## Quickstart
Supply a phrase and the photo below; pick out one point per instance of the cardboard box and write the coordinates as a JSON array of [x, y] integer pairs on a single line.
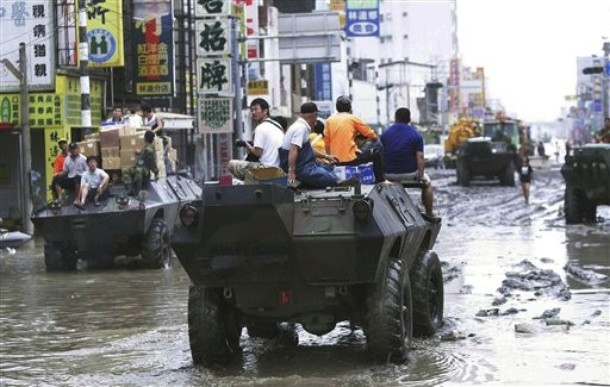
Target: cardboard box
[[90, 148], [128, 157], [92, 136], [132, 142], [270, 175], [173, 155], [158, 143], [367, 175], [127, 130], [161, 168], [109, 163], [109, 137], [110, 152]]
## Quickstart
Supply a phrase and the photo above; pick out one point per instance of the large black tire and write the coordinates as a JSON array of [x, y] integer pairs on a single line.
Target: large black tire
[[266, 330], [389, 320], [58, 258], [508, 176], [428, 294], [214, 328], [156, 251], [577, 207]]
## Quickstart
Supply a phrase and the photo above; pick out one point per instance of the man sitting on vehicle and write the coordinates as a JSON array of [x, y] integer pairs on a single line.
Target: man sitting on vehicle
[[298, 159], [74, 166], [58, 164], [93, 183], [134, 176], [404, 156]]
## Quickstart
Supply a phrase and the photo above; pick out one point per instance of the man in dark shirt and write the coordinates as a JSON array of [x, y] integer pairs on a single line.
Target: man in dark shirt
[[404, 156]]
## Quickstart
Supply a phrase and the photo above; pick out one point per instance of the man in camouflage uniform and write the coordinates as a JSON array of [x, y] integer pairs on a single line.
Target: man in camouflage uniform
[[145, 163]]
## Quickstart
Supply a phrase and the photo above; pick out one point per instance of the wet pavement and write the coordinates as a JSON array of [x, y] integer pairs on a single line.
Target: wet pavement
[[527, 302]]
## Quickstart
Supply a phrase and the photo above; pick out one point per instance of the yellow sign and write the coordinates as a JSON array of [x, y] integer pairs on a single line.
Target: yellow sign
[[258, 87], [105, 33]]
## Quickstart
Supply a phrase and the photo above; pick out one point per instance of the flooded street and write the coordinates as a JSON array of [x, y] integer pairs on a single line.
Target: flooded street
[[512, 272]]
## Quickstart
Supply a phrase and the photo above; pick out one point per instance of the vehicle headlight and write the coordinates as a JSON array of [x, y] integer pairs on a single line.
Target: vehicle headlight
[[363, 209]]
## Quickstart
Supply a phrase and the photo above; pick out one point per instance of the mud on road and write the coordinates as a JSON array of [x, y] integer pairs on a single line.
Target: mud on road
[[527, 303]]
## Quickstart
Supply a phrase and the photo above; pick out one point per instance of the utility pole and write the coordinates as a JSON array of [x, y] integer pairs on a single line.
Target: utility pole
[[26, 145], [83, 55]]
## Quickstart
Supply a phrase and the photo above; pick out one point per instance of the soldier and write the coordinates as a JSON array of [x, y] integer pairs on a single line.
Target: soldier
[[146, 162]]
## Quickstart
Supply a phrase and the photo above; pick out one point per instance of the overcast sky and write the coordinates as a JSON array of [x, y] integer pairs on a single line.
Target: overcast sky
[[529, 48]]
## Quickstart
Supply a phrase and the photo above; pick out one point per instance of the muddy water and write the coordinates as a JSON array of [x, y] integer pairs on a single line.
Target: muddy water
[[127, 327]]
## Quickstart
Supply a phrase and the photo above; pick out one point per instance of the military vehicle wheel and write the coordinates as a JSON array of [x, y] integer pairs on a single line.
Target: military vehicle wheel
[[266, 330], [464, 176], [58, 258], [214, 328], [428, 295], [577, 207], [508, 176], [156, 251], [389, 320]]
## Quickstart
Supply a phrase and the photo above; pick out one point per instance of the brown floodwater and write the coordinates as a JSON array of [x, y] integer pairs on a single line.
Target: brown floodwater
[[128, 327]]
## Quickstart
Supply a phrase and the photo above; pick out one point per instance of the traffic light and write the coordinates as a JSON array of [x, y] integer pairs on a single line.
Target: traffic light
[[593, 70]]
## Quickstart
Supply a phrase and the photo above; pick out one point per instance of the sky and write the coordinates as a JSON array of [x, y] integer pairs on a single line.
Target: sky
[[529, 49]]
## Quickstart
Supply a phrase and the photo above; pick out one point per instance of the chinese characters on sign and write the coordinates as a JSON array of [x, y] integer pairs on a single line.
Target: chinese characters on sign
[[214, 76], [29, 22], [154, 47], [105, 33], [323, 81], [362, 18], [46, 109], [215, 115], [212, 7], [213, 37]]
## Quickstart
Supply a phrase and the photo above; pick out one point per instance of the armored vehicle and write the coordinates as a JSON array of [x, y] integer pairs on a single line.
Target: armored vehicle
[[122, 225], [587, 176], [482, 157], [261, 256]]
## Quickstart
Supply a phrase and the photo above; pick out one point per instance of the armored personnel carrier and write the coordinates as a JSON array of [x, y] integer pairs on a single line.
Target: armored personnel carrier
[[482, 157], [122, 225], [262, 255], [587, 176]]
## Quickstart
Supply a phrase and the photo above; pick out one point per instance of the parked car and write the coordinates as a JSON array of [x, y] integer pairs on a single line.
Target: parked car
[[433, 155]]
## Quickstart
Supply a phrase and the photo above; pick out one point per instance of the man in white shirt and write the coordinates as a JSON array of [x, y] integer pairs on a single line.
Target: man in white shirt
[[298, 159], [74, 166], [93, 183], [268, 137]]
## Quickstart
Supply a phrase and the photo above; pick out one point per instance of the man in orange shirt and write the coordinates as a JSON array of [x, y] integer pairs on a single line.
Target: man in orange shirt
[[340, 135], [58, 164]]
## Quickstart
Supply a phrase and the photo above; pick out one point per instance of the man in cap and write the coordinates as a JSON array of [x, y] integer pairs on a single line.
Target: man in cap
[[340, 135], [69, 178], [268, 137], [58, 164], [298, 159]]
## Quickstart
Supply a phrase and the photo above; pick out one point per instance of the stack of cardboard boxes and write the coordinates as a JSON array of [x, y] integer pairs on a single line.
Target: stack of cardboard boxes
[[117, 146]]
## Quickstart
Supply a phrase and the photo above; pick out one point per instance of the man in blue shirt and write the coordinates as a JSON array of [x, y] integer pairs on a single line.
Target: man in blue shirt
[[404, 156]]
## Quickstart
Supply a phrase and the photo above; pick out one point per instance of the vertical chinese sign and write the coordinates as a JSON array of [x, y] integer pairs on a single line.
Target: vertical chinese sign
[[154, 47], [105, 33], [215, 78], [454, 85], [362, 18], [30, 22]]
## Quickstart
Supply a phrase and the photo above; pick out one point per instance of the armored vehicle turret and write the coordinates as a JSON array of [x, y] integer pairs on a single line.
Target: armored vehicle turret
[[262, 255], [121, 225], [587, 176]]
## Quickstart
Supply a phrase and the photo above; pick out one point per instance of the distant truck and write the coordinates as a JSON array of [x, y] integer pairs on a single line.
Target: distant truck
[[482, 157], [587, 176]]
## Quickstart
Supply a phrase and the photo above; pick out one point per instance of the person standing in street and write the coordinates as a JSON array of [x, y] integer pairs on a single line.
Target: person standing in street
[[404, 156], [268, 138], [298, 159], [525, 177]]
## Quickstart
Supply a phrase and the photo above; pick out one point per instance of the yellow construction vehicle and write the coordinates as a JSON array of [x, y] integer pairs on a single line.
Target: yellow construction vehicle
[[459, 132]]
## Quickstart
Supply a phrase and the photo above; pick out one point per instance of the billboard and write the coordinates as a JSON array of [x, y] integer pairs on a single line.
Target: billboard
[[105, 33], [153, 45], [30, 22], [362, 18]]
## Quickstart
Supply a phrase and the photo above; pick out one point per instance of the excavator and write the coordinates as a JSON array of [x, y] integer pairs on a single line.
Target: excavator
[[459, 132]]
